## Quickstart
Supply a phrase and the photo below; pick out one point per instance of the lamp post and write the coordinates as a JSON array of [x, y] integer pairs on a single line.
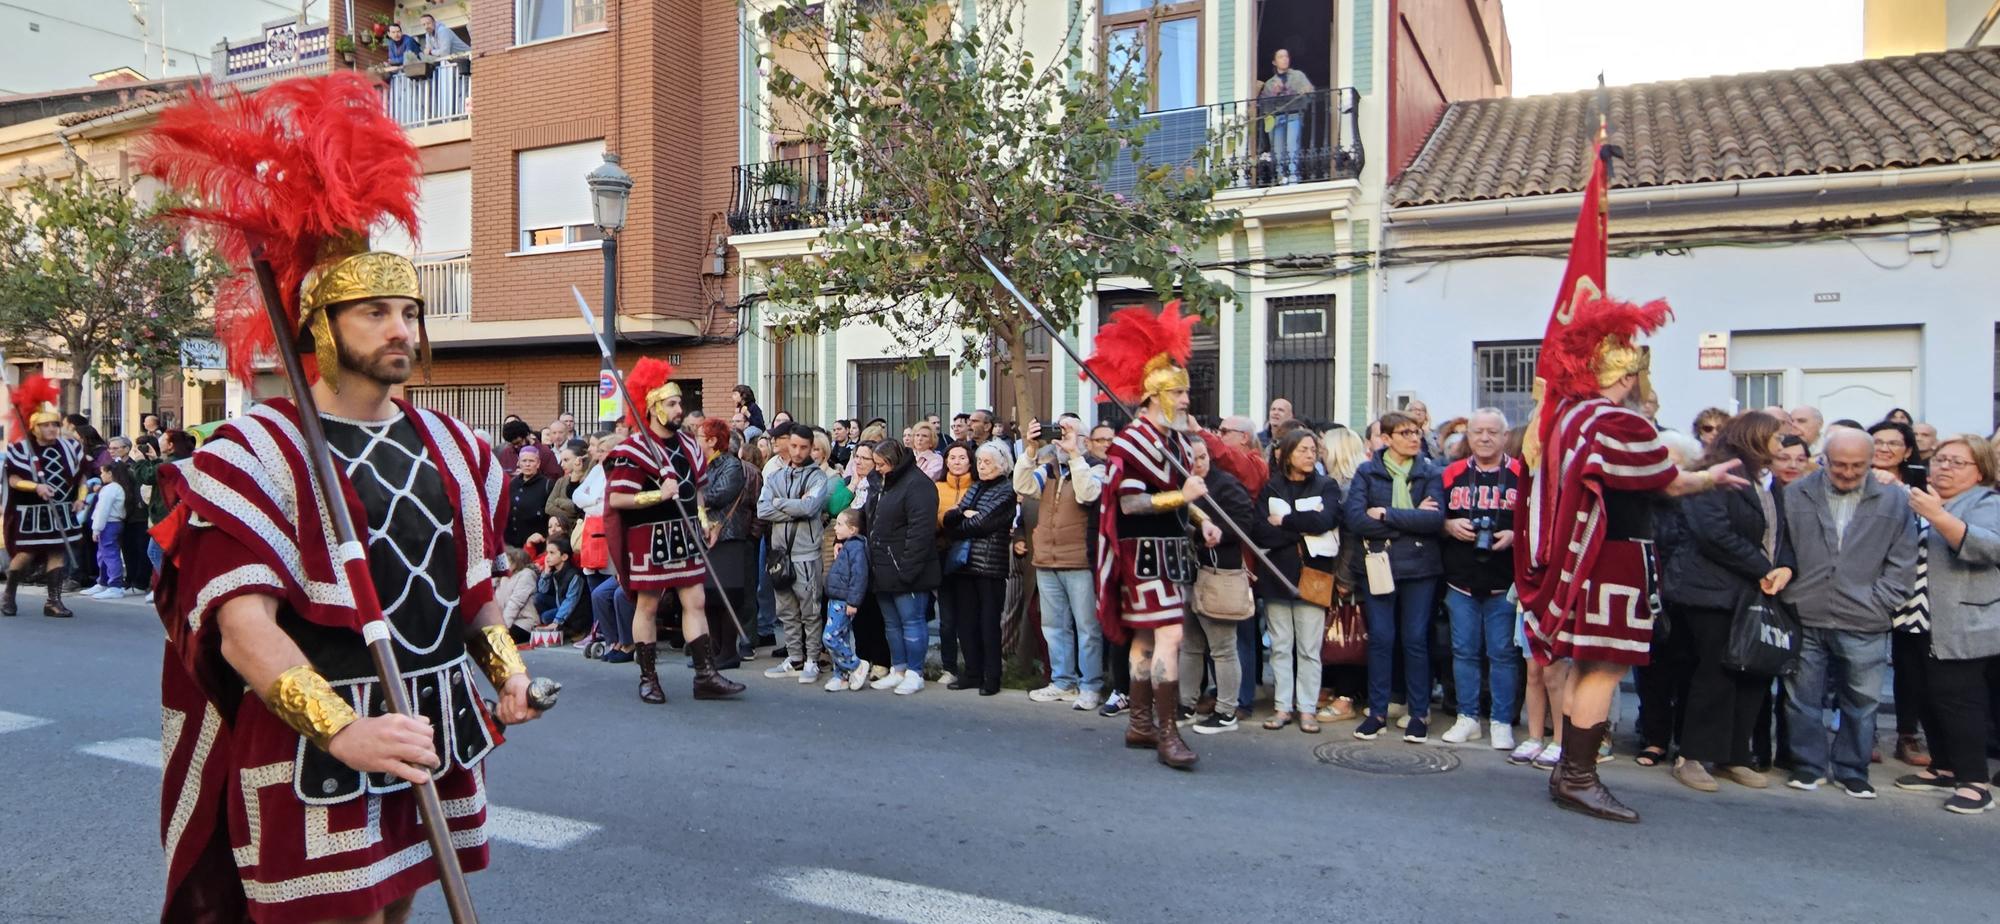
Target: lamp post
[[610, 191]]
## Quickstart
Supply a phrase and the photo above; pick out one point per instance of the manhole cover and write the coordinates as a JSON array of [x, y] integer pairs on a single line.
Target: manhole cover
[[1391, 759]]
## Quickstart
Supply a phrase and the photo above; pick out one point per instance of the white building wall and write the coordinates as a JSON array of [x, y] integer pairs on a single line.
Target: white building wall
[[1431, 316]]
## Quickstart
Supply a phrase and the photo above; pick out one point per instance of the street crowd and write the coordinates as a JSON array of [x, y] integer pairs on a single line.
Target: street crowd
[[841, 548]]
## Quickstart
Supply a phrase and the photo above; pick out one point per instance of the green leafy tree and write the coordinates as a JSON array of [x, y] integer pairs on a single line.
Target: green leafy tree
[[91, 275], [948, 140]]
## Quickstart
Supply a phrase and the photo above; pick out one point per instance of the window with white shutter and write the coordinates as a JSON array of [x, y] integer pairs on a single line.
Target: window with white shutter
[[554, 201], [444, 219]]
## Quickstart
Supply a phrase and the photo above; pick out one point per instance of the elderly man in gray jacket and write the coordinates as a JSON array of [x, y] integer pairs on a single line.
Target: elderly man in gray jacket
[[1856, 544]]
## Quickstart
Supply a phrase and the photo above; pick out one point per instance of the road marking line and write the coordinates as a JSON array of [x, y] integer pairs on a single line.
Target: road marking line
[[890, 900], [534, 829], [14, 721], [142, 751]]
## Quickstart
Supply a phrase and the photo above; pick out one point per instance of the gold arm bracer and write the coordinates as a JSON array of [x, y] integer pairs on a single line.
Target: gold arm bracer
[[649, 498], [494, 649], [25, 484], [1169, 500], [307, 703]]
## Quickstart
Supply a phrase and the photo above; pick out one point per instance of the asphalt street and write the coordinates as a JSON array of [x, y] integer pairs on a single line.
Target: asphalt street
[[794, 804]]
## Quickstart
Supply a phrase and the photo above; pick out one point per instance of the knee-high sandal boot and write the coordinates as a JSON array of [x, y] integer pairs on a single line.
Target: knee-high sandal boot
[[54, 608], [1141, 733], [708, 682], [648, 656], [7, 607], [1574, 785], [1172, 749]]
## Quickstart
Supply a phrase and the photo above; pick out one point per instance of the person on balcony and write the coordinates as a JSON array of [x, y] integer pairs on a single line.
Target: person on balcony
[[400, 45], [440, 42], [1283, 104]]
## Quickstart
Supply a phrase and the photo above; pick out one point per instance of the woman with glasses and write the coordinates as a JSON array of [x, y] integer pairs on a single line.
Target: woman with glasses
[[1708, 423], [1396, 507], [1895, 459], [1959, 567]]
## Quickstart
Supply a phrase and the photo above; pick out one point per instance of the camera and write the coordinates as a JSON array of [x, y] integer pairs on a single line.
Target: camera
[[1483, 528]]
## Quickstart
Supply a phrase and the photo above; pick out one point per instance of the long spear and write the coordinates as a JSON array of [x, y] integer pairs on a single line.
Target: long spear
[[374, 630], [646, 427], [1242, 537]]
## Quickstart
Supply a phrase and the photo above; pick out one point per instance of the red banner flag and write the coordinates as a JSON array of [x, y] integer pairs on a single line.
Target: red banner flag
[[1583, 279]]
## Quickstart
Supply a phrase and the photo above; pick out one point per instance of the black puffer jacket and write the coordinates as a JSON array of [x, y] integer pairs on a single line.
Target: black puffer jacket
[[1286, 552], [902, 531], [993, 500], [1724, 553]]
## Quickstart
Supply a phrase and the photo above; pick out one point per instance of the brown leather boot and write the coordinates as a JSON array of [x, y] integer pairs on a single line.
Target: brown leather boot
[[1140, 733], [7, 607], [708, 683], [1575, 785], [54, 607], [1173, 751], [648, 656]]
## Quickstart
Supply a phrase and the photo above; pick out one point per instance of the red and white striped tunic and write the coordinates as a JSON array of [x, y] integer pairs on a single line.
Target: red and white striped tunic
[[656, 548]]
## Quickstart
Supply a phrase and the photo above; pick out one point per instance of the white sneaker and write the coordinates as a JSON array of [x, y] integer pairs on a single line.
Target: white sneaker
[[1463, 730], [1087, 701], [837, 685], [945, 678], [1051, 694], [91, 591], [1503, 736], [858, 677], [106, 593], [783, 668], [889, 681], [149, 596], [912, 682], [1402, 721], [811, 673], [134, 592]]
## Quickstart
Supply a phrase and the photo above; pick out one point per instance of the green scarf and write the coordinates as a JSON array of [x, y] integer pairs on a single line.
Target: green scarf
[[1399, 481]]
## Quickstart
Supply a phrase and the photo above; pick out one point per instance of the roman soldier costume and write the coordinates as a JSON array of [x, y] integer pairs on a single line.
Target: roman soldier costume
[[1586, 576], [257, 818], [656, 545], [39, 524], [1145, 566]]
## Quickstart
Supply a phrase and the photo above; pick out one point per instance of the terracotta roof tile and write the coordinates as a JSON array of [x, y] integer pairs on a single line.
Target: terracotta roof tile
[[1911, 111]]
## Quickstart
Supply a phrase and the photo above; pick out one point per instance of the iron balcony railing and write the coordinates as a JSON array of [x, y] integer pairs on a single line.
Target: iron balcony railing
[[446, 284], [1267, 142], [439, 96]]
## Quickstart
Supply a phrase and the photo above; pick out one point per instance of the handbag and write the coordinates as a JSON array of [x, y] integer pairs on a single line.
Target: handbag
[[957, 555], [1381, 575], [593, 552], [1223, 594], [778, 568], [1346, 639], [1315, 586], [1763, 637]]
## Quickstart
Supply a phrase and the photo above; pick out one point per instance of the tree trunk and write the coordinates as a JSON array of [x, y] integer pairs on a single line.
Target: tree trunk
[[1017, 369], [72, 388]]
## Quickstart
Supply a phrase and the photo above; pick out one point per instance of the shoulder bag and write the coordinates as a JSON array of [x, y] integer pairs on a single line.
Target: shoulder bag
[[1223, 594], [1346, 639]]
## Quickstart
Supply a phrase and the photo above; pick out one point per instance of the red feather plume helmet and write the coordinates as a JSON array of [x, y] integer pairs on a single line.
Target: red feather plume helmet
[[1599, 346], [649, 382], [294, 175], [34, 403], [1140, 354]]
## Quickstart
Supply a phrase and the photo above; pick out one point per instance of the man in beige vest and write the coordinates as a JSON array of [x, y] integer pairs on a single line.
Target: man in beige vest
[[1068, 482]]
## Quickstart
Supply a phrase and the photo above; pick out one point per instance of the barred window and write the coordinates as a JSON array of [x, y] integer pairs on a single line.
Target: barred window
[[1504, 376], [793, 386], [884, 388], [579, 400], [1759, 389], [1299, 360], [482, 407]]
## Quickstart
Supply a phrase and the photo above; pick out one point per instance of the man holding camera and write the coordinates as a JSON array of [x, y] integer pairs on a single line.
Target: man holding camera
[[1478, 570]]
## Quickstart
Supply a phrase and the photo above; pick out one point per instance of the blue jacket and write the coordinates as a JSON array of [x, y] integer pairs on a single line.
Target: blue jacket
[[1412, 535], [847, 580], [557, 595], [397, 48]]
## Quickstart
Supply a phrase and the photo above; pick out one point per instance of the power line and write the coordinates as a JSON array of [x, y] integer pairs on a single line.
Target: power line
[[98, 29]]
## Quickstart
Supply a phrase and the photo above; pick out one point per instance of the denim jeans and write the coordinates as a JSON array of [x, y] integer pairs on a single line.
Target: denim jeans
[[838, 637], [1863, 657], [1285, 144], [1482, 635], [767, 601], [1297, 629], [903, 624], [1069, 626], [613, 611], [1405, 612]]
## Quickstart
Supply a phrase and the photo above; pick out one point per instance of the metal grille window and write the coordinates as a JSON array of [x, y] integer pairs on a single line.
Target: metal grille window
[[482, 407], [794, 382], [1204, 363], [884, 388], [1299, 358], [1759, 389], [1504, 377], [113, 404], [579, 400]]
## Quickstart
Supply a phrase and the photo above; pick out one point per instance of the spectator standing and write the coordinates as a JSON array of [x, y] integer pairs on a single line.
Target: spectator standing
[[116, 501], [1961, 578], [842, 443], [1895, 455], [1344, 685], [729, 501], [794, 504], [746, 403], [923, 443], [1396, 508], [1855, 544], [1420, 412], [1738, 545], [527, 494], [1810, 424], [572, 465], [1927, 440], [1303, 509], [1283, 99], [1280, 411], [979, 427], [1793, 462], [958, 481], [903, 562], [1480, 491], [976, 591], [1207, 637], [1068, 480], [961, 427], [1663, 682], [846, 586], [513, 435], [1708, 424]]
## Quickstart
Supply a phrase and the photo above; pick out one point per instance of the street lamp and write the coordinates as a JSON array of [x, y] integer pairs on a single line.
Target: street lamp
[[610, 190]]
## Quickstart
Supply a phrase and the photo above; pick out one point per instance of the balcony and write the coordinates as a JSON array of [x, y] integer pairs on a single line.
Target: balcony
[[446, 284], [1265, 143], [287, 48], [437, 97]]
